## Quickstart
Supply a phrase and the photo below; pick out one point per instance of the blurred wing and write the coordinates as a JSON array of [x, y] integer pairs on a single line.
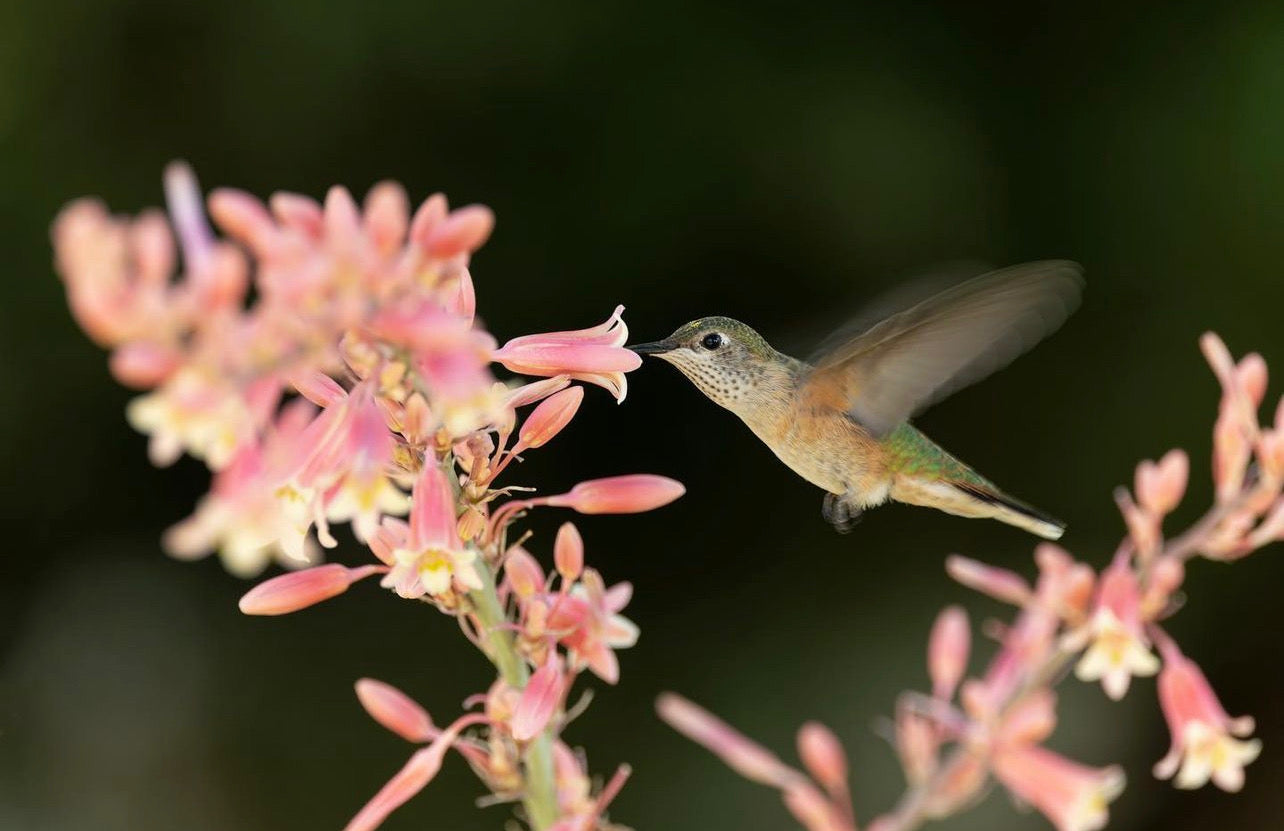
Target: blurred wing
[[909, 361], [911, 290]]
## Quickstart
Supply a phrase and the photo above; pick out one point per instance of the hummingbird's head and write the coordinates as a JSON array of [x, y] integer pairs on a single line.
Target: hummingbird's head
[[727, 360]]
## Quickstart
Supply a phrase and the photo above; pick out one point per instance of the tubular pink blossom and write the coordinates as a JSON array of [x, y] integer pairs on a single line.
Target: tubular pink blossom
[[631, 494], [596, 355], [948, 649], [1206, 742], [568, 552], [823, 756], [432, 557], [1072, 796], [998, 583], [395, 710], [536, 390], [538, 702], [300, 589], [737, 751], [549, 418], [1160, 485]]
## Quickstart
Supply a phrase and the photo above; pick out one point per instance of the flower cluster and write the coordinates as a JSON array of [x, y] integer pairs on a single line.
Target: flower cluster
[[325, 362], [1109, 626]]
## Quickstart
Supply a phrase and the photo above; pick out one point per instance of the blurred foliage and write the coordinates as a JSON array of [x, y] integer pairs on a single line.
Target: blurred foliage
[[768, 161]]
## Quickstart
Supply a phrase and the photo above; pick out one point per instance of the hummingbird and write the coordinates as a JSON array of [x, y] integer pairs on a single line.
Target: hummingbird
[[841, 420]]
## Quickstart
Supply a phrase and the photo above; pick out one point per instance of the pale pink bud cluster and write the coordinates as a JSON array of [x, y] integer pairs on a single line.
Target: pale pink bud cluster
[[325, 360], [1107, 625]]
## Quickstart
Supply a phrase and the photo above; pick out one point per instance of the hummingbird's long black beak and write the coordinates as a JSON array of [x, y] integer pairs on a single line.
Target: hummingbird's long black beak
[[658, 347]]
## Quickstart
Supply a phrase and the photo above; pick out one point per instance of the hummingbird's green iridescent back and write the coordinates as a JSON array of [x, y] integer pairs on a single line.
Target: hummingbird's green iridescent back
[[911, 453]]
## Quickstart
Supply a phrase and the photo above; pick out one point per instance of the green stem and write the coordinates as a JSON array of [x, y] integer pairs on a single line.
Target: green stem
[[540, 797]]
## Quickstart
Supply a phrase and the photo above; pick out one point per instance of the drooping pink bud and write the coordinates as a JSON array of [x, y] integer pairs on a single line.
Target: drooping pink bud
[[1160, 486], [596, 355], [823, 756], [947, 652], [462, 232], [300, 589], [568, 552], [738, 752], [395, 710], [549, 418], [631, 494], [539, 701], [143, 365], [525, 577], [999, 583], [387, 216], [410, 780]]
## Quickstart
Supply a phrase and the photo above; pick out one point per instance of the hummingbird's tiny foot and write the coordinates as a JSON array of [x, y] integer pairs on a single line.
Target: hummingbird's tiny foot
[[840, 513]]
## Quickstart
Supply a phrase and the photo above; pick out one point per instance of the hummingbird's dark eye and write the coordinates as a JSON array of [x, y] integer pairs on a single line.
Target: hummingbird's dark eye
[[712, 341]]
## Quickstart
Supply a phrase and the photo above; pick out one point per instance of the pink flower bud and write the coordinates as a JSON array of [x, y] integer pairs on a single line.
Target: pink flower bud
[[813, 810], [298, 213], [1251, 376], [998, 583], [549, 418], [242, 217], [524, 575], [1143, 525], [387, 216], [143, 365], [1160, 486], [462, 232], [300, 589], [395, 710], [630, 494], [917, 744], [539, 701], [823, 756], [410, 780], [947, 652], [537, 390], [737, 751], [1031, 720], [568, 552]]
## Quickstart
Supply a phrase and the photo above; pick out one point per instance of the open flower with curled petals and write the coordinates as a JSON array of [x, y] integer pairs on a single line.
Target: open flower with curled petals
[[595, 355], [1117, 645], [591, 625], [1206, 742], [429, 558]]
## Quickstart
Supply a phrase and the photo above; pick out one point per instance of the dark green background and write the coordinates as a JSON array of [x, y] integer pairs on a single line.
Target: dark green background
[[775, 162]]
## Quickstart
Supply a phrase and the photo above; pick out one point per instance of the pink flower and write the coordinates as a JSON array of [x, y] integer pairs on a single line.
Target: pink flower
[[301, 589], [592, 624], [595, 356], [1206, 742], [1073, 797], [430, 558], [395, 710], [823, 756], [1118, 649], [998, 583]]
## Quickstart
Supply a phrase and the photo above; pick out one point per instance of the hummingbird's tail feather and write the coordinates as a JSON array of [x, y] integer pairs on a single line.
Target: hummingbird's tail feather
[[973, 499]]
